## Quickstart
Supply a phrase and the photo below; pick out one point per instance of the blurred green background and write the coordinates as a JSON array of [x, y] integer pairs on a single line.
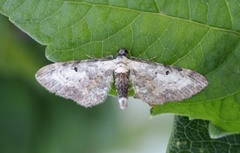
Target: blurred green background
[[33, 120]]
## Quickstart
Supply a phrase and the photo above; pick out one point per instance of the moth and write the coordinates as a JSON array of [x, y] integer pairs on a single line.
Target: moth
[[88, 81]]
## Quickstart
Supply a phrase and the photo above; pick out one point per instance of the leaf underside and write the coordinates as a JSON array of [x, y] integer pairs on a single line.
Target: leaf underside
[[192, 136]]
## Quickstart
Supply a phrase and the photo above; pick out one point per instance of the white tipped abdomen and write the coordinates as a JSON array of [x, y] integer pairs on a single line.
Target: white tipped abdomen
[[123, 102]]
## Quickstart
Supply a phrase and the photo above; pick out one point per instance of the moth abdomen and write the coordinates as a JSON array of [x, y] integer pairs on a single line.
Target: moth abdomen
[[122, 84]]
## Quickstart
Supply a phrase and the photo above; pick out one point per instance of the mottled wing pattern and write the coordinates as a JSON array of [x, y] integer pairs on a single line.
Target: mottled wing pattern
[[87, 82], [156, 83]]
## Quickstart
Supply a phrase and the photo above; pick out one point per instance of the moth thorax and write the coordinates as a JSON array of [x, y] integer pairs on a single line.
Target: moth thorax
[[122, 83], [121, 68]]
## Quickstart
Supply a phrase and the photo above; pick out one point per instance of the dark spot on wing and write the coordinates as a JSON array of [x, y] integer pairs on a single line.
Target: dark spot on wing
[[194, 74], [167, 72], [167, 66], [108, 73], [133, 72], [64, 64], [172, 67], [75, 68], [178, 68]]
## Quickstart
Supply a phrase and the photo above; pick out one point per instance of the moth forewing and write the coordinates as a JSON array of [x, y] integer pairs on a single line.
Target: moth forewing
[[87, 82], [156, 83]]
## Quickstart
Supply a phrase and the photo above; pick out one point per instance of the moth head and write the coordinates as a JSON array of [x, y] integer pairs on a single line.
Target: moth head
[[122, 52]]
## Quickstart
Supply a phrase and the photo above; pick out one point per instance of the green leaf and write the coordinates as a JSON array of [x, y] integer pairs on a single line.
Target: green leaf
[[192, 136], [216, 132], [200, 35]]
